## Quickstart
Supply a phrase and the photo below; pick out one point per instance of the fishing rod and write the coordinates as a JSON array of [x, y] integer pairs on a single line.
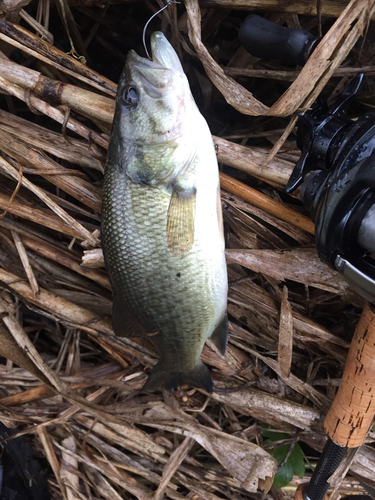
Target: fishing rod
[[336, 172]]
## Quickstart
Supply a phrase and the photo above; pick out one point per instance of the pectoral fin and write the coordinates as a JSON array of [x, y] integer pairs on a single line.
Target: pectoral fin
[[180, 220], [220, 335], [124, 323]]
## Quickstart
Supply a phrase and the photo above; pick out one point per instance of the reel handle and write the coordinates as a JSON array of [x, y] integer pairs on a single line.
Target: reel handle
[[269, 40]]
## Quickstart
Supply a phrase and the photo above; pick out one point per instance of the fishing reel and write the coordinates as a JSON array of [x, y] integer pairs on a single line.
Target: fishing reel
[[336, 169], [336, 172]]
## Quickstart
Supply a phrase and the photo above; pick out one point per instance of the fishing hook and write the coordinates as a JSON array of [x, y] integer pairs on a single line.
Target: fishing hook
[[148, 22]]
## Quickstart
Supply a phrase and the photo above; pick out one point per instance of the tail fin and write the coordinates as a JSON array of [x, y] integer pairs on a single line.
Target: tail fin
[[199, 377]]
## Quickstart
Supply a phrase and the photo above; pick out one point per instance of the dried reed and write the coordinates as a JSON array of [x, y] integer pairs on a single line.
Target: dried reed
[[73, 385]]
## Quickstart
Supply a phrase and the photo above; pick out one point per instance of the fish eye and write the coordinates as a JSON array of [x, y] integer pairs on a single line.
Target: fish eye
[[130, 95]]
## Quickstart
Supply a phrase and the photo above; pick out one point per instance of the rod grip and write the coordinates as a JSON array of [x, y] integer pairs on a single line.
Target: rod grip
[[353, 408]]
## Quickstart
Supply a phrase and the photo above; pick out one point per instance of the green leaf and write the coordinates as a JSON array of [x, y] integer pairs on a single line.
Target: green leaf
[[297, 460], [294, 465], [280, 452], [274, 436], [283, 476]]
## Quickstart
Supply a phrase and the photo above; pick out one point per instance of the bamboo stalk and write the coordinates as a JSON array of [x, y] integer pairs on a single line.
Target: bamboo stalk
[[76, 98], [58, 93], [300, 264], [21, 38], [54, 113], [11, 350], [250, 160], [25, 262], [177, 457], [61, 308], [285, 344], [78, 317], [290, 76], [279, 143], [44, 391], [73, 150], [260, 200], [24, 344], [38, 215], [30, 231], [43, 32], [77, 187], [294, 232], [65, 259], [68, 219], [329, 8], [91, 104], [93, 258], [52, 459], [247, 159]]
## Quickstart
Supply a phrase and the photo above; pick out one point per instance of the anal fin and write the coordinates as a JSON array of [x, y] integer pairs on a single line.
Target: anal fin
[[219, 336]]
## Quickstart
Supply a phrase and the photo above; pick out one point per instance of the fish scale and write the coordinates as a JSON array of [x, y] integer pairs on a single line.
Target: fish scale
[[156, 192], [143, 266]]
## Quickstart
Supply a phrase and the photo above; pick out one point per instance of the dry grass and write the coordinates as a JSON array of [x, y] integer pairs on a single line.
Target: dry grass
[[73, 385]]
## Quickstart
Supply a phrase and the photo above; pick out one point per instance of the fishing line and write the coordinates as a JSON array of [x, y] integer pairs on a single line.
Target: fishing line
[[148, 22]]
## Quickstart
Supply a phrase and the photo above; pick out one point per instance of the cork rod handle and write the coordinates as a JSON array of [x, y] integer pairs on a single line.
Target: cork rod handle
[[353, 408]]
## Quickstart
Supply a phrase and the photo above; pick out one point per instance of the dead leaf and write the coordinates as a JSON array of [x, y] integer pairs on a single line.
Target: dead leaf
[[299, 264], [245, 461], [285, 349]]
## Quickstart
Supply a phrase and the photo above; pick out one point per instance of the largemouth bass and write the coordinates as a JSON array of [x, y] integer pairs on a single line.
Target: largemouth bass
[[162, 230]]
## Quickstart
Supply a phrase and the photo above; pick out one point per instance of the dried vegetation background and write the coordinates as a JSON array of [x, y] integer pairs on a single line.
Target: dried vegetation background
[[65, 381]]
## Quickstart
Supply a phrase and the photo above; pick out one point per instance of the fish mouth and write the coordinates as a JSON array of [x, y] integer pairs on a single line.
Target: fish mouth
[[155, 73]]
